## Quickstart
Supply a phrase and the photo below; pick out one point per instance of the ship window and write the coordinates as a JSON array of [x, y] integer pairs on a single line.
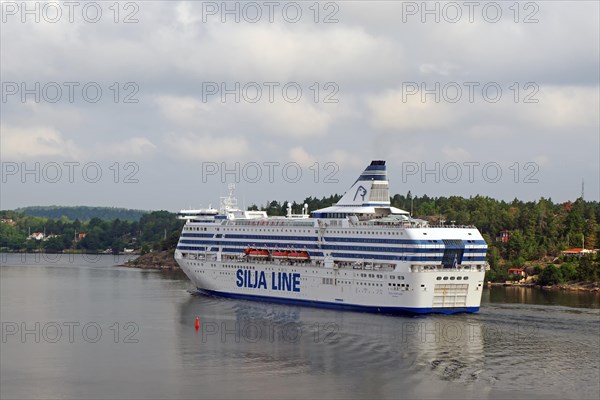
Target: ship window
[[452, 278], [439, 278], [466, 278], [458, 278]]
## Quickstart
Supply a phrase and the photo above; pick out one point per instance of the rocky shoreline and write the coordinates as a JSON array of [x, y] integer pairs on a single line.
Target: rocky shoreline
[[593, 287], [160, 260]]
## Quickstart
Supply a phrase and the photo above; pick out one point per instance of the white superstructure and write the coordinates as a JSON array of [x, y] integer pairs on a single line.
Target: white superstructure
[[360, 254]]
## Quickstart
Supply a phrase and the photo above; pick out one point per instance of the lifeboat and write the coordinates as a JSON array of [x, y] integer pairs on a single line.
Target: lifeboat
[[258, 253], [298, 255], [279, 254]]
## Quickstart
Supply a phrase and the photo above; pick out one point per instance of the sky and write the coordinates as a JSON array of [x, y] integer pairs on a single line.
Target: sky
[[162, 104]]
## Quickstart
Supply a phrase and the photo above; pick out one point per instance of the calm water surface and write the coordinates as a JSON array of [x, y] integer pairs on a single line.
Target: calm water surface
[[86, 328]]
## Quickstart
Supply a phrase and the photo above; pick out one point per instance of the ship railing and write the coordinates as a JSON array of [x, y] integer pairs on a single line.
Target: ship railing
[[407, 224], [450, 226]]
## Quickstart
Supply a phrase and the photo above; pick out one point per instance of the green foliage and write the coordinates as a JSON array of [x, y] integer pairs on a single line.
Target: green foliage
[[10, 237], [569, 271], [589, 268], [100, 235], [550, 275], [82, 213], [518, 262]]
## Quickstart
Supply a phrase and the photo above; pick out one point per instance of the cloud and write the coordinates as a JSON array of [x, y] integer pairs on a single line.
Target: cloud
[[456, 154], [301, 119], [394, 110], [280, 118], [19, 142], [339, 158], [171, 52], [563, 108], [299, 155], [204, 147], [136, 147], [535, 109]]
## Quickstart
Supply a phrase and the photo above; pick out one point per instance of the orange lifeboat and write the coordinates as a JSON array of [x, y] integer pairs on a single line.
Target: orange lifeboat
[[280, 254], [258, 253], [298, 255]]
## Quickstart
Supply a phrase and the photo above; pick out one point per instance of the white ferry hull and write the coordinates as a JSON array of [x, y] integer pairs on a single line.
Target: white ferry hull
[[417, 293]]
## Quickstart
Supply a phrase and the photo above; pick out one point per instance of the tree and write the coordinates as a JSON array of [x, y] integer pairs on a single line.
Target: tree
[[550, 275], [588, 269], [54, 244]]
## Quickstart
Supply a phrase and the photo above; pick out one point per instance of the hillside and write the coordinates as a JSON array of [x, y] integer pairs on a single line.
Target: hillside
[[83, 213]]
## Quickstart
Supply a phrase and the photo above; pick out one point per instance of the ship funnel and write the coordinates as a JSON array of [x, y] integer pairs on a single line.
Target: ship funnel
[[370, 189]]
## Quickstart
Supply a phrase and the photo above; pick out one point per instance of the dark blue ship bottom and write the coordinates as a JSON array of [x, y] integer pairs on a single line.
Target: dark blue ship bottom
[[342, 306]]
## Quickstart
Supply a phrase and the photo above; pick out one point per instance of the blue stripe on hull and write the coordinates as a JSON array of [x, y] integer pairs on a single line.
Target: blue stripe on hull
[[342, 306]]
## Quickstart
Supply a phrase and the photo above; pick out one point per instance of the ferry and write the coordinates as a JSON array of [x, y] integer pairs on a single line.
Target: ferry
[[359, 254]]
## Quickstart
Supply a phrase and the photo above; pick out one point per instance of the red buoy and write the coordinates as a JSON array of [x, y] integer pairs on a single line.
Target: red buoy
[[197, 323]]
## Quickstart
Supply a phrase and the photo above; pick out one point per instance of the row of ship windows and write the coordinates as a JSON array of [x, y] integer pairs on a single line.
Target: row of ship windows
[[399, 248], [309, 238], [458, 278], [369, 284], [309, 231], [366, 232], [400, 277], [329, 281], [196, 228]]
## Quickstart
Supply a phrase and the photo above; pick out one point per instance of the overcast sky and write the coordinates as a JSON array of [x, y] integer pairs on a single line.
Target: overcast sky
[[495, 99]]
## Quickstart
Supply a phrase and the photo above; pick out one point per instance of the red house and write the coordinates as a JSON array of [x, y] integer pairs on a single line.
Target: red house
[[517, 272]]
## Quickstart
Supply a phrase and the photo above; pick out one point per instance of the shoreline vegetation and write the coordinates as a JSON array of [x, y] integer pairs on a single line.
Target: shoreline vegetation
[[593, 287]]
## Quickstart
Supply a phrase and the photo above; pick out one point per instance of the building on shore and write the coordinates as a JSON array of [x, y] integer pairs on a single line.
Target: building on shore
[[578, 252]]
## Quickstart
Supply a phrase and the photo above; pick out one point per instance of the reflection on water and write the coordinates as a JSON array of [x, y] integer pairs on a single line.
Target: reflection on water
[[543, 345], [496, 353], [523, 295]]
